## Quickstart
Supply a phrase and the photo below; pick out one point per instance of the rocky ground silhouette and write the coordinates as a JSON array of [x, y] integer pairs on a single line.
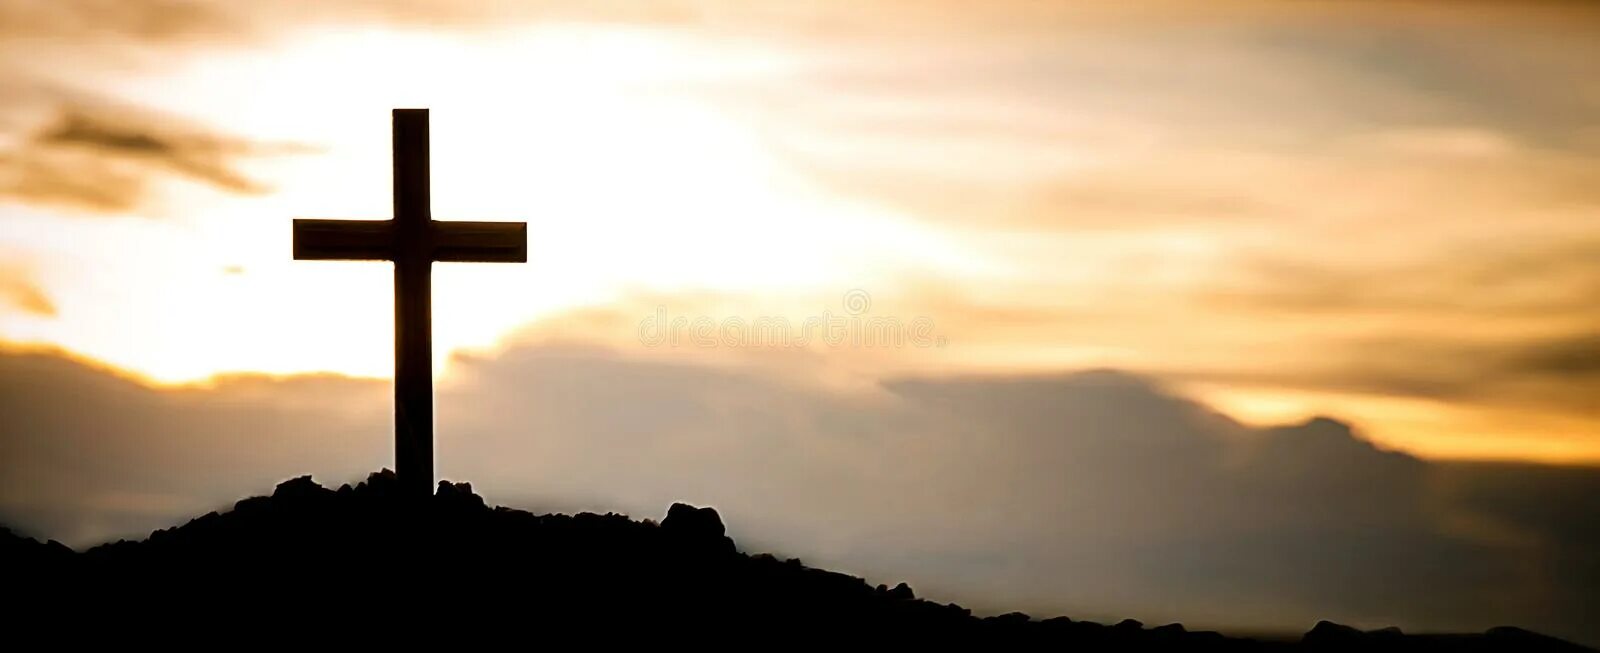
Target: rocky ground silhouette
[[310, 565]]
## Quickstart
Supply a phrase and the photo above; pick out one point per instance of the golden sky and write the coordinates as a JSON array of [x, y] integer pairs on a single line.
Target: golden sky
[[1138, 248], [1388, 213]]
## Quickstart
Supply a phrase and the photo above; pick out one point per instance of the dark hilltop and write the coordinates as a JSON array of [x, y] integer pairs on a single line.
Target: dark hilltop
[[310, 565]]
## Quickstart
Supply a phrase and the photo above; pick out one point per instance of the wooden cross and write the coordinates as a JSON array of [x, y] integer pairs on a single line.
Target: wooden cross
[[413, 240]]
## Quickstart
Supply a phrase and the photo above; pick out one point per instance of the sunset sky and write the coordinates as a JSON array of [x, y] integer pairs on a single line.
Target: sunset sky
[[1387, 214]]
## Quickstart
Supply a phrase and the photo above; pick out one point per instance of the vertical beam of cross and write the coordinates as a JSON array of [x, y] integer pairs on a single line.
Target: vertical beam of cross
[[413, 304], [413, 240]]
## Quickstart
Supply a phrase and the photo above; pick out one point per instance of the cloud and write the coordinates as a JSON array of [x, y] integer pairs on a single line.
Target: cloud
[[1575, 358], [1099, 494], [75, 150], [993, 85], [1516, 278], [1550, 376], [1504, 324], [151, 20], [65, 142], [20, 292], [186, 22], [198, 155], [1109, 199]]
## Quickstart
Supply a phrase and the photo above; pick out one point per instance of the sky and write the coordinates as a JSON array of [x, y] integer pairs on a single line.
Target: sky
[[1142, 309]]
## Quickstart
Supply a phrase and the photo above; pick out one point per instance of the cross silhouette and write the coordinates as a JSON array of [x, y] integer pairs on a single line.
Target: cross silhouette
[[413, 240]]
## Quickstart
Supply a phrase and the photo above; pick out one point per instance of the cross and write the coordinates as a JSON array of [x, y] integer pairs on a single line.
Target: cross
[[413, 240]]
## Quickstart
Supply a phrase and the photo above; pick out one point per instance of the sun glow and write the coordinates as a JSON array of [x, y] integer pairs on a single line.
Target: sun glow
[[628, 180]]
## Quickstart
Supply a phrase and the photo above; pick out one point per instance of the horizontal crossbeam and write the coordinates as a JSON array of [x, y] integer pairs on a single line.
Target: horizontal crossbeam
[[481, 242], [374, 240], [344, 240]]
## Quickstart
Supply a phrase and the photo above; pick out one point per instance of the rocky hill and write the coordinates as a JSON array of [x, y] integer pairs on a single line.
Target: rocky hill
[[311, 565]]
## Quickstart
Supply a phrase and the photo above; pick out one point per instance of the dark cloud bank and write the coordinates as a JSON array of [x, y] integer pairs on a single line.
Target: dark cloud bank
[[103, 160], [1095, 494]]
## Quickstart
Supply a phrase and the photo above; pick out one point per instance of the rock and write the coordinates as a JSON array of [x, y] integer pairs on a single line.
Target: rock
[[1329, 634], [296, 490], [15, 547], [1513, 638], [1010, 617], [902, 592], [252, 505], [458, 496], [379, 484], [1169, 630], [698, 526], [693, 521]]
